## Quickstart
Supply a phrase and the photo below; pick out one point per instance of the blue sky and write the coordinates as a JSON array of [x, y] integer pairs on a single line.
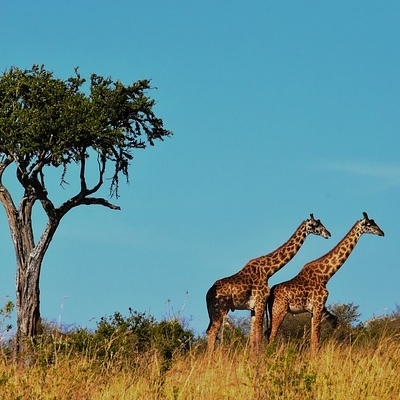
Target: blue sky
[[279, 110]]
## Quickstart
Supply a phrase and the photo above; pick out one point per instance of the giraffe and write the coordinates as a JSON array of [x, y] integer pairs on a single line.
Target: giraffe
[[248, 289], [307, 292]]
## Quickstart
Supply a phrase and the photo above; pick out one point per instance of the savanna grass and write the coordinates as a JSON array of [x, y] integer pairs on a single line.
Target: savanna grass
[[367, 370]]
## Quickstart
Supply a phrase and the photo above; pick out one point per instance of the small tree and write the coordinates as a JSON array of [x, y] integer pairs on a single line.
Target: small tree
[[51, 123]]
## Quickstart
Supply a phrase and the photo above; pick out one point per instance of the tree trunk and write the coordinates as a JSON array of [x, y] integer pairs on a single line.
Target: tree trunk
[[27, 304], [29, 263], [29, 258]]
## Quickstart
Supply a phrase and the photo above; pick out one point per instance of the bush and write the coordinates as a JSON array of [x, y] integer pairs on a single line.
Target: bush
[[235, 331], [385, 326], [118, 339]]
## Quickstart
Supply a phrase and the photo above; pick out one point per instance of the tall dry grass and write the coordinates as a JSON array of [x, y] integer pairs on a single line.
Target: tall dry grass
[[287, 372], [369, 370]]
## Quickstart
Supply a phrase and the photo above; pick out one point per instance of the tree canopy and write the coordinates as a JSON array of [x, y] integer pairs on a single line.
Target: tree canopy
[[51, 122]]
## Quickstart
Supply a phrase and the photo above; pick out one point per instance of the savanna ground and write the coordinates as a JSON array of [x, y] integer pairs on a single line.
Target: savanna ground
[[136, 357]]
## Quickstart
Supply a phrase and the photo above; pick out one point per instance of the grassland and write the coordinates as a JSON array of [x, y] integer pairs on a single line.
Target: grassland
[[368, 370]]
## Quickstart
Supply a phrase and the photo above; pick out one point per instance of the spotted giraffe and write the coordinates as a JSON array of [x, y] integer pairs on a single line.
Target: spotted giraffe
[[248, 289], [307, 292]]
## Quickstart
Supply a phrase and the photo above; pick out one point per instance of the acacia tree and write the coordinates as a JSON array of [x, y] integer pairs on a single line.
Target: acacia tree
[[50, 123]]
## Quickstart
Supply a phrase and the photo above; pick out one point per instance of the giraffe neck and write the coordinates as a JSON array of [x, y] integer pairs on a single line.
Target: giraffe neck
[[326, 266], [275, 260]]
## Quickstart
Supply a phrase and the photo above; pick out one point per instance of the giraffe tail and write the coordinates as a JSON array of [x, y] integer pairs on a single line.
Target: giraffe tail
[[268, 311], [210, 299]]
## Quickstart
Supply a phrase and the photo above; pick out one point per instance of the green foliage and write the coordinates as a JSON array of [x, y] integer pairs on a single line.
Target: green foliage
[[170, 337], [117, 339], [384, 326], [46, 121], [348, 322], [235, 331], [138, 334], [347, 314], [133, 333], [5, 316]]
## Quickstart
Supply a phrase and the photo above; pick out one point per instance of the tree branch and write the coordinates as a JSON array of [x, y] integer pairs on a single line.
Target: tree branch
[[82, 174], [73, 202], [99, 201], [102, 168], [5, 196]]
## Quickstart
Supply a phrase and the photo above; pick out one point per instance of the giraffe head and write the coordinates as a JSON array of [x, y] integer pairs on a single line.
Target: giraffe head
[[369, 226], [316, 227]]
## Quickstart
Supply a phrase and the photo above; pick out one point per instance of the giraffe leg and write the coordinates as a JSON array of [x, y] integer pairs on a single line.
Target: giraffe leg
[[315, 330], [252, 326], [277, 314], [217, 310], [258, 326], [212, 332], [256, 330]]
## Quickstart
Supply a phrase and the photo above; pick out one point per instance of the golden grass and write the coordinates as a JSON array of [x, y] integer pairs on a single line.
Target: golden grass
[[337, 372]]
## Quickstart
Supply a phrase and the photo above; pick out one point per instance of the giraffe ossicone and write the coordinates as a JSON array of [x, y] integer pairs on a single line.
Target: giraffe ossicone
[[248, 289], [307, 292]]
